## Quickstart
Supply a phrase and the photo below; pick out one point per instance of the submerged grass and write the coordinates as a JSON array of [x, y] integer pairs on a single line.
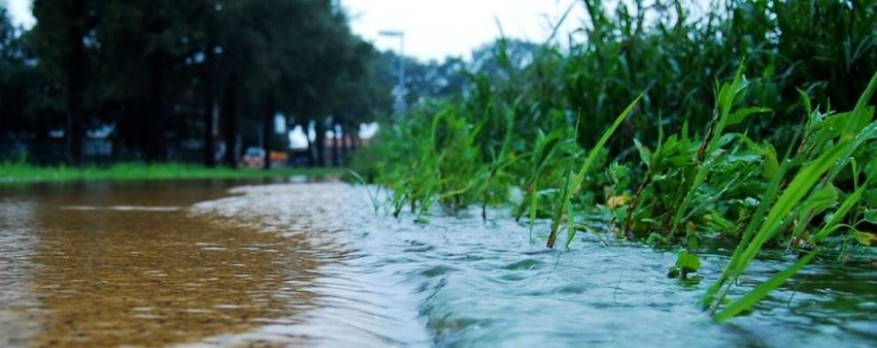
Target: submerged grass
[[815, 176], [12, 173], [694, 189], [686, 165], [576, 183]]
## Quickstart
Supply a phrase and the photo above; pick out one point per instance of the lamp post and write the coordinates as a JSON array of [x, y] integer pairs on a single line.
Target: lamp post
[[399, 91]]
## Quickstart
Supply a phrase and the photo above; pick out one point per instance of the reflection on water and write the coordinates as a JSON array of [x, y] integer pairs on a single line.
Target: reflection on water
[[310, 264], [114, 271], [356, 305], [20, 317]]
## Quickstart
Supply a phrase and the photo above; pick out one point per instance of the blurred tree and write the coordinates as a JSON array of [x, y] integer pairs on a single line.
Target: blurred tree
[[432, 79], [504, 55], [64, 36], [11, 64], [159, 72], [152, 46]]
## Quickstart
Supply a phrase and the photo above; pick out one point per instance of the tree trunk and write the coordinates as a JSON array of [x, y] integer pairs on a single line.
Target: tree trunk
[[268, 126], [355, 140], [345, 142], [76, 83], [350, 144], [156, 148], [230, 122], [209, 106], [320, 139], [336, 145], [306, 127]]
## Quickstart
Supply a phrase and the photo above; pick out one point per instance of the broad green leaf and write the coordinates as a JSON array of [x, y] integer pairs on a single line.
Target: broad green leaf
[[688, 262], [644, 152], [871, 216], [822, 198], [771, 164]]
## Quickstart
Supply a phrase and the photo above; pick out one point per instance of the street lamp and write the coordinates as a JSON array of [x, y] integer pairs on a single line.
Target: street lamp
[[399, 92]]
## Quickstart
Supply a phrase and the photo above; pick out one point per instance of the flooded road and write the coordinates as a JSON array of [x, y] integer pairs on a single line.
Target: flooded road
[[197, 264], [109, 266]]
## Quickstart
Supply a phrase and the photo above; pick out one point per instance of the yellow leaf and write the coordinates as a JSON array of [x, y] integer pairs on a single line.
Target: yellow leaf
[[866, 238], [617, 201]]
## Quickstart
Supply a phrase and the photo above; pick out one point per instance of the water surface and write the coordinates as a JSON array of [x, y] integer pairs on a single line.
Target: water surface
[[107, 265], [312, 264]]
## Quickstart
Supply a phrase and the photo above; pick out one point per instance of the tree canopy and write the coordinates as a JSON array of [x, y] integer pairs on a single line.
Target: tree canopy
[[162, 75]]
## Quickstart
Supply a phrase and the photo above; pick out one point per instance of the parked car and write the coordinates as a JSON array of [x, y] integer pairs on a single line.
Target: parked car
[[254, 157], [279, 159]]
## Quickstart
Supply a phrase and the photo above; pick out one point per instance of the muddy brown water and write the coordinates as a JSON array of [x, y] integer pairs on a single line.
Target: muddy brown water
[[229, 264], [109, 265]]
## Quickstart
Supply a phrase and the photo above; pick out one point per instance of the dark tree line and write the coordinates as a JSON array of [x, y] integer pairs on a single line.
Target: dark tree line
[[162, 71]]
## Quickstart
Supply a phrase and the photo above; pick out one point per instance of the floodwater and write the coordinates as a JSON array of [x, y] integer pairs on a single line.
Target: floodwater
[[199, 263]]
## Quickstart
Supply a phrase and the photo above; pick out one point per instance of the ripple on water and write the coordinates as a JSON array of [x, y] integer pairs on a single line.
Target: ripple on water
[[362, 299], [20, 314], [436, 271], [525, 264], [372, 280], [111, 267], [479, 284]]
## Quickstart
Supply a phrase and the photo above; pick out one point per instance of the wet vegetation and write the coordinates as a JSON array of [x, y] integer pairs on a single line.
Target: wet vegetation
[[747, 128], [720, 136]]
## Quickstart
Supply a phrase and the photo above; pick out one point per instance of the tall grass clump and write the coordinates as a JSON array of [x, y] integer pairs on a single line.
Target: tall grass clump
[[660, 126], [830, 148]]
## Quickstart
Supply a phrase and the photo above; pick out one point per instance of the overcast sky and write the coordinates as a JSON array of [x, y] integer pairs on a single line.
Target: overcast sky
[[20, 12], [438, 28], [433, 29]]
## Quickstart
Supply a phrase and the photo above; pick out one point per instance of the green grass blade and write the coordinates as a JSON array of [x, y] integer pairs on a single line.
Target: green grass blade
[[763, 289], [803, 182], [725, 101], [580, 177]]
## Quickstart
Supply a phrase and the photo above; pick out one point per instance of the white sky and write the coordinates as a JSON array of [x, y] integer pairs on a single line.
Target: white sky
[[20, 11], [433, 29]]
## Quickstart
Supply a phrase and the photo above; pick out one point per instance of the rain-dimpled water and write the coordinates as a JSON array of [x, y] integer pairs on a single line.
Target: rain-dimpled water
[[217, 263]]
